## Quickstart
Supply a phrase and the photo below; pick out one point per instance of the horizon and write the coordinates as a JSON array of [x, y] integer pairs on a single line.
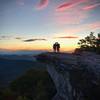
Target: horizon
[[24, 51], [37, 24]]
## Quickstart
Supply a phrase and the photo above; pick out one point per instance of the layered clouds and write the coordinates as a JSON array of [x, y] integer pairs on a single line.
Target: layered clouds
[[31, 40], [68, 37], [70, 12], [69, 4], [42, 4], [47, 21], [92, 6]]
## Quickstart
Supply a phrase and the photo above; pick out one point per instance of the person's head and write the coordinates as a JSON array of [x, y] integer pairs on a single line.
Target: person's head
[[56, 42]]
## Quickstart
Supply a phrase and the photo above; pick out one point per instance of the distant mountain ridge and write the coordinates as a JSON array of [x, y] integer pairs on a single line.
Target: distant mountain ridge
[[20, 52], [13, 66], [18, 57]]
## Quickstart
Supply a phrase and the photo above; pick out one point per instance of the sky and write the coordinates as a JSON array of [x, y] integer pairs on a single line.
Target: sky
[[37, 24]]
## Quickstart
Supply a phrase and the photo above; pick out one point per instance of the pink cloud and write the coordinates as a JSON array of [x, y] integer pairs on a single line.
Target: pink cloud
[[86, 27], [77, 12], [68, 37], [74, 16], [71, 4], [95, 25], [71, 32], [64, 6], [91, 6], [42, 4]]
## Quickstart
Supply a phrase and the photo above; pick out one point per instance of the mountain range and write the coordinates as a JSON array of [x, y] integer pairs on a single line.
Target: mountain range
[[13, 66]]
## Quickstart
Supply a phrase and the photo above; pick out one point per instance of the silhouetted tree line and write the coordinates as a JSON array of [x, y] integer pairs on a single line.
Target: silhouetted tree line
[[90, 43]]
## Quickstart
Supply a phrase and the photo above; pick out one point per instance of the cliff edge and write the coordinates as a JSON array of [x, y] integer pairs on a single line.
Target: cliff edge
[[76, 76]]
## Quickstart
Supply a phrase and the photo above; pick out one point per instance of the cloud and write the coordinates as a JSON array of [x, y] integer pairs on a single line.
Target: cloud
[[67, 37], [31, 40], [5, 37], [64, 6], [67, 5], [80, 30], [85, 27], [42, 4], [95, 25], [74, 16], [18, 38], [89, 7]]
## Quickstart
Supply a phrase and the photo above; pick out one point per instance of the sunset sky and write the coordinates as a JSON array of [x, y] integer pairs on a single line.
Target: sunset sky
[[37, 24]]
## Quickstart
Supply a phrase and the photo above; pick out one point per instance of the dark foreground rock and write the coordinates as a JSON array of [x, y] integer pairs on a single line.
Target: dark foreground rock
[[76, 77]]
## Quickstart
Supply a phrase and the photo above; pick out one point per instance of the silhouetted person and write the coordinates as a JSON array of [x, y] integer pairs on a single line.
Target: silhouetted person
[[56, 47]]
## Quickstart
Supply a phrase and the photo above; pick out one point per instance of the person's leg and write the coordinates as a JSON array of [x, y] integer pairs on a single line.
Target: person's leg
[[57, 49], [54, 49]]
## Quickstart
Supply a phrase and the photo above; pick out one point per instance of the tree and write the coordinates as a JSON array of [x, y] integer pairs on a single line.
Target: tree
[[90, 43]]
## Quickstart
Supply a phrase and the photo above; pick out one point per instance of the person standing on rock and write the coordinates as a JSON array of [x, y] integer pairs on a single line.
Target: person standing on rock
[[56, 47]]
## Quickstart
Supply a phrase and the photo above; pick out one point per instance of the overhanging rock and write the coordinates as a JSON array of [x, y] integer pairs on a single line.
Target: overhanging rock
[[76, 77]]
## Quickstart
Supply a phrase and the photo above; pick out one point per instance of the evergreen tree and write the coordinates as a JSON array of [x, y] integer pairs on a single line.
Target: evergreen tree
[[90, 43]]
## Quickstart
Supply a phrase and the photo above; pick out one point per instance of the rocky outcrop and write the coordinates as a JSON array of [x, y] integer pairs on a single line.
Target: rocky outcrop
[[76, 77]]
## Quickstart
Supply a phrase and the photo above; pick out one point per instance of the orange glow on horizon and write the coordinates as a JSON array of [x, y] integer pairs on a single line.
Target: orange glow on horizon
[[62, 49], [67, 45]]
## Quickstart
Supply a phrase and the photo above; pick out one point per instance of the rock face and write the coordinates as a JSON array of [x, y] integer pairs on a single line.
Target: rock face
[[76, 77]]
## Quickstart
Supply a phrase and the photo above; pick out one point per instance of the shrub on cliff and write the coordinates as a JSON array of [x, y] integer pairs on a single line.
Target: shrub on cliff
[[90, 43]]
